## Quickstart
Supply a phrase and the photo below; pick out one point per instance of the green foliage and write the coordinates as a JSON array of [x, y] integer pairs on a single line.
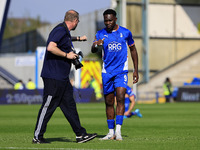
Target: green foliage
[[163, 127], [16, 26]]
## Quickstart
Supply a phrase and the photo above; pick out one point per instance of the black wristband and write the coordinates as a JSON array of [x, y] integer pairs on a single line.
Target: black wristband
[[79, 38], [65, 55]]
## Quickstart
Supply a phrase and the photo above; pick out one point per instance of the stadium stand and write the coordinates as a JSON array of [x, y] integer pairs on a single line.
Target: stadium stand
[[187, 69], [7, 80], [195, 81]]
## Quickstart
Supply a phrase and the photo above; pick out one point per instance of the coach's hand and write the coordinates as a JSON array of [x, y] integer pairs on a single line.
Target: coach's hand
[[71, 55]]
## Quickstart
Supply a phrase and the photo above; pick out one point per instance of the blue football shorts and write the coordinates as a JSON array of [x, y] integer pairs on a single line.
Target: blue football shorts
[[114, 80]]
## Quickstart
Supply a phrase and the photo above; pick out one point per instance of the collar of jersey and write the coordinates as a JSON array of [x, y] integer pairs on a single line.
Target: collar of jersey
[[116, 29]]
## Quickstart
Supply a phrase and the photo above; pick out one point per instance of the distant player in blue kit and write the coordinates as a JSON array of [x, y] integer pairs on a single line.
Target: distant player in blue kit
[[113, 41], [130, 99]]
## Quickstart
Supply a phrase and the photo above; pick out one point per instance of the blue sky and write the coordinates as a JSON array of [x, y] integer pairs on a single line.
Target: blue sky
[[53, 10]]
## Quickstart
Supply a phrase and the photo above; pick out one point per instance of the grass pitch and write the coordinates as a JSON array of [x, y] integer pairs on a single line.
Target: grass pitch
[[174, 126]]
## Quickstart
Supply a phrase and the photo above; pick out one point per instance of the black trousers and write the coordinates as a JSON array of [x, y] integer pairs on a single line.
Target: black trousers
[[57, 93]]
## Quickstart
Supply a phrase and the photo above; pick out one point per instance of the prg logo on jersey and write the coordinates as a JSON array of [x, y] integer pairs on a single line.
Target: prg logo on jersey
[[114, 46]]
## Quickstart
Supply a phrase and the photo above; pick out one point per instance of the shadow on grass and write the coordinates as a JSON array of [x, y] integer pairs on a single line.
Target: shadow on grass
[[101, 136], [64, 139], [59, 139]]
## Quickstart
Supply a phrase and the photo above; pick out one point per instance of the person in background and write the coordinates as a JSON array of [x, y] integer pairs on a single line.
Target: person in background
[[97, 89], [167, 88], [130, 99], [30, 85], [19, 85], [113, 41]]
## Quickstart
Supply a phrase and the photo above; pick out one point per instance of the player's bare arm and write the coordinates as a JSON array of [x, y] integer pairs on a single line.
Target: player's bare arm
[[134, 56], [132, 99]]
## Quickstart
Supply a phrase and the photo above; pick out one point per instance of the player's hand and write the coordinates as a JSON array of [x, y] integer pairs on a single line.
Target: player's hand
[[135, 77], [126, 113], [97, 45], [99, 42]]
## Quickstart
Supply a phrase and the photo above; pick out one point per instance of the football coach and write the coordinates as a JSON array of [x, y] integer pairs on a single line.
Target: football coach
[[58, 91]]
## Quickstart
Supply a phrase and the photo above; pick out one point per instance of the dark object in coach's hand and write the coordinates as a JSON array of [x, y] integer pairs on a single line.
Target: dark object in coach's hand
[[97, 48], [76, 61], [100, 47]]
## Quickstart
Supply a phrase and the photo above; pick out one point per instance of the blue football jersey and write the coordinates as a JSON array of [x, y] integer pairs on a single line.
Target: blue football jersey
[[115, 54], [129, 91]]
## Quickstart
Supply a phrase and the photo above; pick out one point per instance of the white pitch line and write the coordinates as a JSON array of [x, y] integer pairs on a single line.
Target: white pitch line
[[30, 148]]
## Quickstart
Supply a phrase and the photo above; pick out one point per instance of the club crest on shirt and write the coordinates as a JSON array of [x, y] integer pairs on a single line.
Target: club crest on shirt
[[114, 46], [121, 35]]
